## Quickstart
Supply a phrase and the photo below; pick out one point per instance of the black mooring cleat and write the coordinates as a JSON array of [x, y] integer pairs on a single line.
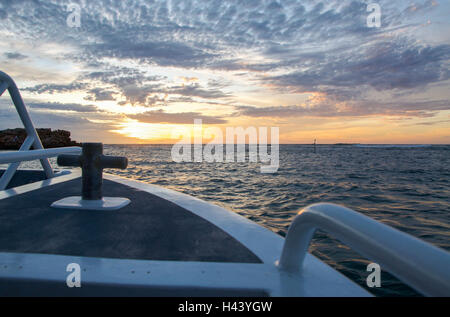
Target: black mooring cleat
[[92, 162]]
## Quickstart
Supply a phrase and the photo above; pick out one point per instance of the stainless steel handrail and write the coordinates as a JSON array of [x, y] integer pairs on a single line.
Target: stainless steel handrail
[[32, 140], [20, 156], [423, 266]]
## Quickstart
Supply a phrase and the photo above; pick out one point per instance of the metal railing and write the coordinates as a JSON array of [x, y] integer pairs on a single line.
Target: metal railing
[[32, 139], [422, 266]]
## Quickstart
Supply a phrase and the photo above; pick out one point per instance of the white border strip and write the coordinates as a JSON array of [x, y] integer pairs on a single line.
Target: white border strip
[[176, 275]]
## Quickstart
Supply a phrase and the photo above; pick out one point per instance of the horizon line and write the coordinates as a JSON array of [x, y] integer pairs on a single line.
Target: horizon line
[[317, 144]]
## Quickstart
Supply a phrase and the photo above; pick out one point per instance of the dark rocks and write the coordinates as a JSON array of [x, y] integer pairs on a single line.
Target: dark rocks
[[12, 139]]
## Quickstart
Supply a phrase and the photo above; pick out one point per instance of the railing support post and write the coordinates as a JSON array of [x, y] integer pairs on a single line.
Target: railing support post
[[26, 120], [415, 262], [9, 173]]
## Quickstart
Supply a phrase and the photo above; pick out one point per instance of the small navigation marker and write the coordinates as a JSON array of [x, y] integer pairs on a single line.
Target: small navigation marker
[[92, 162], [314, 145]]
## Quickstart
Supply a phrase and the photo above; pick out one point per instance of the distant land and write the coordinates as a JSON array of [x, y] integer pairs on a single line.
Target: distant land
[[12, 139]]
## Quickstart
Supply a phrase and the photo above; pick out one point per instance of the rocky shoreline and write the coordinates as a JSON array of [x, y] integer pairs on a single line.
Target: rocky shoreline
[[12, 139]]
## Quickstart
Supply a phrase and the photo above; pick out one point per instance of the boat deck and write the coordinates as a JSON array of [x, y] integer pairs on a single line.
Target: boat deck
[[23, 177], [149, 228]]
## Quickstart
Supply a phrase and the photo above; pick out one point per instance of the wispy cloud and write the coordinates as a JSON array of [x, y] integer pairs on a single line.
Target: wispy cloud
[[159, 116], [326, 108], [14, 55], [64, 106], [55, 88]]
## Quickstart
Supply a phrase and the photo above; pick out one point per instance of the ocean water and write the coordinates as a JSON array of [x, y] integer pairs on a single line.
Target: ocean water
[[402, 186], [406, 187]]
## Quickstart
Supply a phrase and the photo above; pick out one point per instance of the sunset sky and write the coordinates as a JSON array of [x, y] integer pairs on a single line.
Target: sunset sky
[[135, 71]]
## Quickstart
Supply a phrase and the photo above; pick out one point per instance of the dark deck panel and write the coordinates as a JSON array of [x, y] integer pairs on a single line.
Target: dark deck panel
[[23, 177], [149, 228]]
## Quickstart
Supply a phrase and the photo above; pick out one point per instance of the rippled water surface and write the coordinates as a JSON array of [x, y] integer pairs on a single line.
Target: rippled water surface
[[405, 187]]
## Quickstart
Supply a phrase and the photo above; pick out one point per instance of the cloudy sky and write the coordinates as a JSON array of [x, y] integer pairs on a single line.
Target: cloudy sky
[[134, 71]]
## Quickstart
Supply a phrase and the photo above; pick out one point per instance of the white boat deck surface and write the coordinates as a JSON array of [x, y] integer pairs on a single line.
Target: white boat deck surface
[[163, 243]]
